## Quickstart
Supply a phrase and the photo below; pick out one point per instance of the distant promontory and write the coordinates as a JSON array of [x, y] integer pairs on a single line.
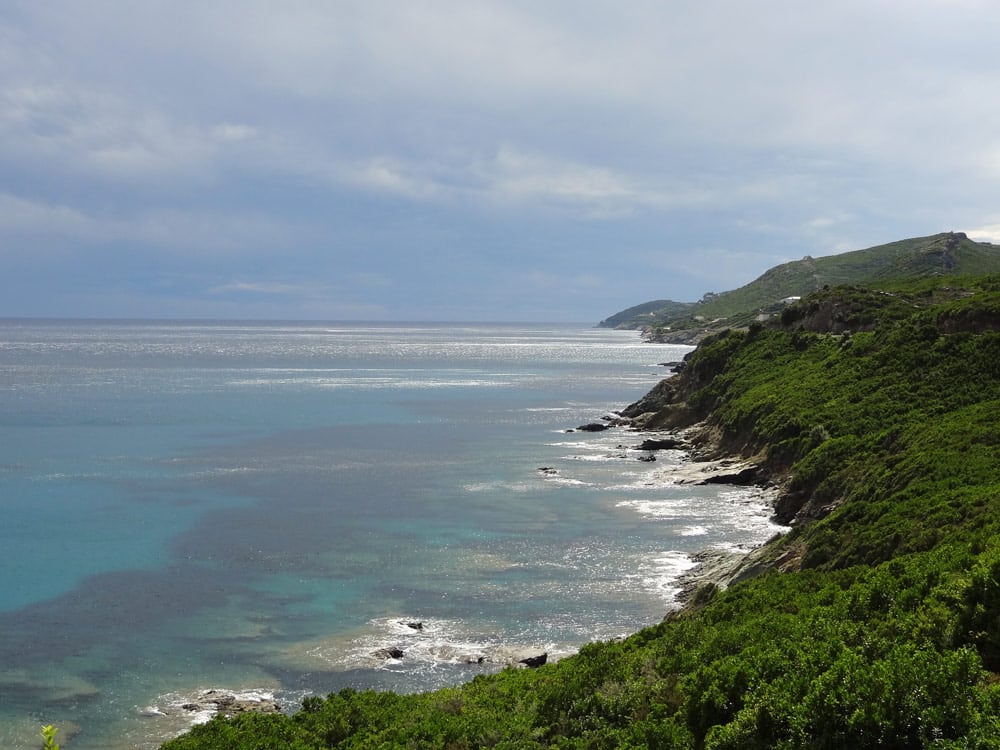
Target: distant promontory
[[948, 253]]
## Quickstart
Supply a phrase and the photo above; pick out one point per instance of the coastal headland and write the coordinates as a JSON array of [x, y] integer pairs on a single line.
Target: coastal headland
[[874, 622]]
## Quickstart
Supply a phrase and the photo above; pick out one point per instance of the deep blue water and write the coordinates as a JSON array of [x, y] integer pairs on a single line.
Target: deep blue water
[[262, 506]]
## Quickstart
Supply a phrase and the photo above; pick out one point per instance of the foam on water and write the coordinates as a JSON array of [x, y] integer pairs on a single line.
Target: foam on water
[[663, 508], [501, 486], [425, 645], [662, 573], [694, 531], [172, 713], [561, 481]]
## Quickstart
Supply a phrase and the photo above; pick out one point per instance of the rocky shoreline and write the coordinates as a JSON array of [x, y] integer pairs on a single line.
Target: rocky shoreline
[[663, 424], [705, 463], [204, 704], [708, 463], [230, 704]]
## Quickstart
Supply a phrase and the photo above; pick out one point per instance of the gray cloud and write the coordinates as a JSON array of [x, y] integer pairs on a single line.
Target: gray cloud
[[470, 154]]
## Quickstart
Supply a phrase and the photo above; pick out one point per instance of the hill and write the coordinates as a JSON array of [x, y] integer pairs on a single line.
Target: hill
[[938, 255], [648, 311], [875, 622]]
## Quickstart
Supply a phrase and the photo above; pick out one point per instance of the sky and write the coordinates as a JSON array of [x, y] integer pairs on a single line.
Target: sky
[[553, 160]]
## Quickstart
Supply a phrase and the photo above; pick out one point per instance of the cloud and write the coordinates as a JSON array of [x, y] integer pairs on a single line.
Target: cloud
[[384, 174], [233, 133], [690, 143], [241, 235], [59, 229], [313, 299], [521, 180], [96, 133], [527, 178], [257, 287], [54, 119], [987, 233], [23, 217]]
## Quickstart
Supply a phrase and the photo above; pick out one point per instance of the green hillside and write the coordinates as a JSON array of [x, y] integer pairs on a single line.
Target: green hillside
[[648, 311], [874, 623], [941, 254]]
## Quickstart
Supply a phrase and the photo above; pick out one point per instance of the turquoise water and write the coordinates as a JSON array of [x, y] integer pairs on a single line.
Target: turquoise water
[[261, 507]]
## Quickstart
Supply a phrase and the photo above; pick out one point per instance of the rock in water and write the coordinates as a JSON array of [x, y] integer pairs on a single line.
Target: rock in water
[[533, 662], [662, 444], [229, 704]]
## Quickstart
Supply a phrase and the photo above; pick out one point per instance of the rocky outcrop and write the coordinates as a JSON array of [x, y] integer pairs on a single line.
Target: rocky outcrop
[[663, 408], [683, 336], [533, 662], [747, 476], [659, 396], [229, 704], [714, 570], [662, 444]]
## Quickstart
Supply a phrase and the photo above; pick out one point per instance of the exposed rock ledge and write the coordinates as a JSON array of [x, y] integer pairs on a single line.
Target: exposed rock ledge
[[709, 463], [733, 471], [718, 569], [230, 704]]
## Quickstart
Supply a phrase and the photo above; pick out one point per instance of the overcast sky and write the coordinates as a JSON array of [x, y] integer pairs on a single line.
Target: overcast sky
[[550, 161]]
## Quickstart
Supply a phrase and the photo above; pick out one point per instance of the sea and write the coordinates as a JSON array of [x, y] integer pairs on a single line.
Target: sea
[[265, 507]]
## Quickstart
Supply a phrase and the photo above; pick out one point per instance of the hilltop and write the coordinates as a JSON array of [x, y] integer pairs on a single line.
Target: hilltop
[[875, 622], [949, 253]]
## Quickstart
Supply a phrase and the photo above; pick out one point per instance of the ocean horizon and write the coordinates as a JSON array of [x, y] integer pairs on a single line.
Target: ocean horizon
[[264, 507]]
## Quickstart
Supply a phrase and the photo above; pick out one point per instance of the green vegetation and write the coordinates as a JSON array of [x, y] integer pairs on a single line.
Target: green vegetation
[[877, 621], [648, 312], [947, 254], [49, 738]]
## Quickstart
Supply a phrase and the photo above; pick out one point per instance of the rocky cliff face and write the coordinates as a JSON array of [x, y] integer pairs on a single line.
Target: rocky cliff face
[[689, 403], [680, 402], [836, 383]]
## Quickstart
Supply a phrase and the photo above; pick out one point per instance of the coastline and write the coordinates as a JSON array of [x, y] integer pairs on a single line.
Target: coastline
[[707, 462], [890, 597], [715, 568], [699, 467]]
